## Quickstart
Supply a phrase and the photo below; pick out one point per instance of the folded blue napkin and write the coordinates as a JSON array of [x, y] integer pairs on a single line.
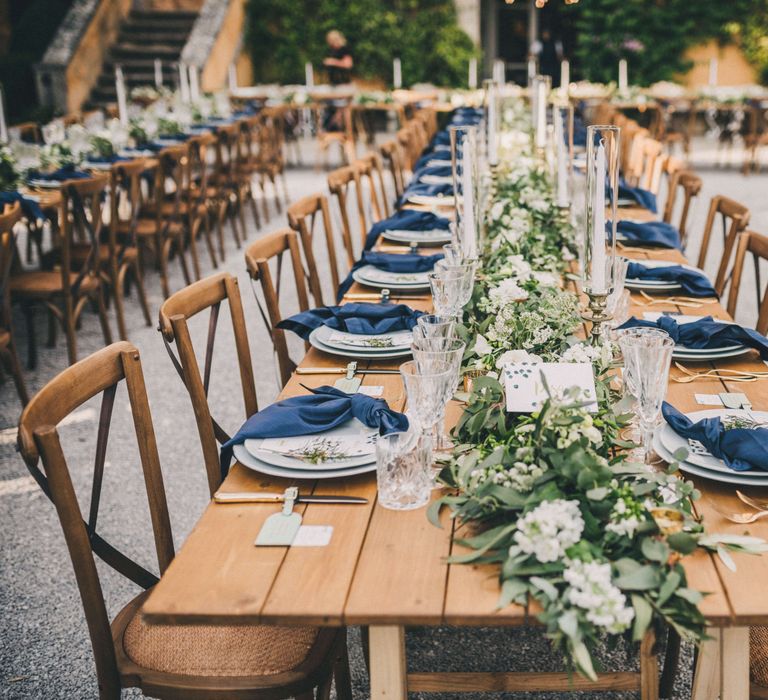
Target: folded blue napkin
[[740, 448], [30, 208], [441, 138], [325, 408], [406, 220], [93, 158], [693, 283], [67, 172], [430, 155], [705, 334], [424, 190], [434, 170], [579, 132], [362, 319], [653, 233], [643, 197], [390, 262]]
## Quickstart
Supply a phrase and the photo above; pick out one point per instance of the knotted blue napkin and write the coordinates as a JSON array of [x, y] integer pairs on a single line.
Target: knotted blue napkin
[[67, 172], [643, 197], [740, 448], [30, 208], [325, 408], [423, 190], [390, 262], [441, 138], [705, 334], [406, 220], [434, 170], [654, 233], [362, 319], [693, 283], [430, 155]]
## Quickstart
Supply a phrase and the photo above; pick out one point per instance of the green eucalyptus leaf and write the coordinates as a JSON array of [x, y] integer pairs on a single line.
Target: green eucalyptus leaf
[[643, 616]]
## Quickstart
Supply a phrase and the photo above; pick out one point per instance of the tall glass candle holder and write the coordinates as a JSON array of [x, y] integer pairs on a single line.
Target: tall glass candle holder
[[562, 119], [492, 121], [464, 160], [540, 89], [599, 252]]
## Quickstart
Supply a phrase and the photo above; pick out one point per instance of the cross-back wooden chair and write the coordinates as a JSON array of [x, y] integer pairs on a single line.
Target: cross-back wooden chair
[[633, 140], [756, 245], [257, 259], [735, 219], [369, 172], [406, 139], [343, 136], [340, 182], [200, 205], [65, 291], [690, 184], [303, 217], [119, 256], [652, 165], [393, 159], [234, 187], [10, 358], [27, 132], [165, 661], [604, 113], [264, 143]]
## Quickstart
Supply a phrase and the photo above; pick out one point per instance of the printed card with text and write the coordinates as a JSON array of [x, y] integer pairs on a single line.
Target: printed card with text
[[526, 390]]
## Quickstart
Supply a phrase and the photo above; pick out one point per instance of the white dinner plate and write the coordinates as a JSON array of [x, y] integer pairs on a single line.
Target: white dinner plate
[[401, 340], [45, 184], [697, 455], [445, 200], [731, 478], [436, 179], [94, 165], [354, 352], [351, 429], [705, 356], [434, 237], [374, 277], [248, 460]]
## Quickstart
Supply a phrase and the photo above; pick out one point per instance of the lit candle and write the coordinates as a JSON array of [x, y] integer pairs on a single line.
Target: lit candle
[[309, 75], [3, 123], [472, 81], [468, 196], [183, 83], [194, 84], [397, 74], [541, 114], [562, 167], [158, 73], [232, 77], [122, 102], [531, 69], [493, 118], [623, 81], [713, 71], [565, 75], [598, 230], [499, 72]]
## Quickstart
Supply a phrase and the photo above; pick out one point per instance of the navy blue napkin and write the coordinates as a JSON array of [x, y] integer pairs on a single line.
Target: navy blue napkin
[[29, 207], [643, 197], [67, 172], [740, 448], [424, 190], [705, 334], [325, 408], [441, 138], [693, 283], [429, 155], [406, 220], [434, 170], [390, 262], [93, 158], [362, 319], [653, 233]]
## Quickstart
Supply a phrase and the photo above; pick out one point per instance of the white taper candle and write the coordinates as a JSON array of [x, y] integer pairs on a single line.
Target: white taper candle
[[183, 83], [468, 200], [3, 122], [122, 101], [472, 79], [565, 74], [598, 230], [158, 73], [541, 114], [562, 165], [194, 84], [713, 71], [397, 74], [232, 77], [309, 75], [623, 79]]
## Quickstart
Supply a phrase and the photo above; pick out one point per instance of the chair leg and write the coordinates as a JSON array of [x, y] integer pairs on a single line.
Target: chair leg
[[105, 329], [341, 674], [12, 364], [52, 322], [139, 280], [118, 292], [208, 240], [192, 231], [221, 214], [69, 322], [29, 317], [264, 203], [671, 660], [163, 262], [179, 245]]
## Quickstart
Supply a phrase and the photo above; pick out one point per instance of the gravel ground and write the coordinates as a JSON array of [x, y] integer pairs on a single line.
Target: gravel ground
[[44, 647]]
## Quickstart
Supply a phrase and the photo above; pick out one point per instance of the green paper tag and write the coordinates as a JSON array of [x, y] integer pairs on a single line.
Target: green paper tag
[[349, 386], [279, 530]]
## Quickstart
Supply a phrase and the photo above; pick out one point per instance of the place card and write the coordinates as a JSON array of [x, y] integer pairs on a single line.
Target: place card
[[279, 530], [708, 400], [526, 384], [373, 391], [313, 536]]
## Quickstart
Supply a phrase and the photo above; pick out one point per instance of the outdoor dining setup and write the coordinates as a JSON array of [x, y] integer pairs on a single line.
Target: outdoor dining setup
[[506, 396]]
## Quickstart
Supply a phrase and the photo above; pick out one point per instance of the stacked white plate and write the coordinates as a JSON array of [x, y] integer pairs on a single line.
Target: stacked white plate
[[432, 237], [428, 200], [372, 276], [350, 449], [45, 184], [681, 352], [383, 346], [436, 179], [699, 461], [657, 285]]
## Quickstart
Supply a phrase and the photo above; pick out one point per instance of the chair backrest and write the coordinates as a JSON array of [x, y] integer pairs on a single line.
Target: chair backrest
[[302, 218], [198, 171], [175, 313], [393, 158], [652, 165], [257, 259], [369, 170], [228, 153], [125, 198], [171, 169], [340, 181], [633, 138], [406, 138], [735, 219], [690, 184], [8, 219], [757, 245], [38, 441], [27, 132]]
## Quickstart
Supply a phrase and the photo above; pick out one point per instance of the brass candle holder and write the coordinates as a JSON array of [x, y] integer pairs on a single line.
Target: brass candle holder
[[597, 316]]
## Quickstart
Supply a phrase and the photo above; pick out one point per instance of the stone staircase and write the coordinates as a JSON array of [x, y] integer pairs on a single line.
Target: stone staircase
[[144, 36]]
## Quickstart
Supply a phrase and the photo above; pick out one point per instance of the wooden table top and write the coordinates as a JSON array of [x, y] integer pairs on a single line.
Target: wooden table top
[[388, 567]]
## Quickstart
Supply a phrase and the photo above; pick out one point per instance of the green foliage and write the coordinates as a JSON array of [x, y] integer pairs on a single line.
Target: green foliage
[[282, 35], [754, 38], [652, 36]]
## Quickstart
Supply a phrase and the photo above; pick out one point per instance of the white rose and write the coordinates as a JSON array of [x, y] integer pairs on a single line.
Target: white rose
[[512, 356], [482, 346]]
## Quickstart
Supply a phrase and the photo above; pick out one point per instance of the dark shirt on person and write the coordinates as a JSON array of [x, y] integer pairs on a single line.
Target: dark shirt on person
[[336, 75]]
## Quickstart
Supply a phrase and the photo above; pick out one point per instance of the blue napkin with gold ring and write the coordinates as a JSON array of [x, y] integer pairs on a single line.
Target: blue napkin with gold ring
[[406, 220], [705, 334], [692, 282], [390, 262], [325, 408], [361, 319], [740, 448]]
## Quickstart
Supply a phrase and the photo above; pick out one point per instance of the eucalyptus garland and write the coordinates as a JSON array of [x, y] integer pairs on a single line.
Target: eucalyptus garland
[[551, 496]]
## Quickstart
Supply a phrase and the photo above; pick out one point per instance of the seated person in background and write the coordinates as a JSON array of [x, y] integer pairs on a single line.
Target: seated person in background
[[339, 63]]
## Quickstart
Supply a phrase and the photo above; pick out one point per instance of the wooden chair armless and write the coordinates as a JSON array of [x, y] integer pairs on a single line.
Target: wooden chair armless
[[340, 181], [735, 219], [756, 245], [393, 158]]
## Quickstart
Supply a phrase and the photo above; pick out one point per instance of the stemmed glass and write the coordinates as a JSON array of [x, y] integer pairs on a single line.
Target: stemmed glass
[[451, 286], [434, 326]]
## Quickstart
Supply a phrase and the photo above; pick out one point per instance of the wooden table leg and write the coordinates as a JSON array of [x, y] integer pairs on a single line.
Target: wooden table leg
[[388, 668], [735, 663], [706, 675]]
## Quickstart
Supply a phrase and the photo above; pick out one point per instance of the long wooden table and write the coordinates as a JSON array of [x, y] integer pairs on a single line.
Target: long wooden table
[[387, 569]]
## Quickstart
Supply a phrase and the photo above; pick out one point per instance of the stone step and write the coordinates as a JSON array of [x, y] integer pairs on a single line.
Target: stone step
[[153, 37], [132, 65], [121, 51], [163, 16]]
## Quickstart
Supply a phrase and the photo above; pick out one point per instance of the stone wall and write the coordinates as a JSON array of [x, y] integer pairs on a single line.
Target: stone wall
[[733, 68]]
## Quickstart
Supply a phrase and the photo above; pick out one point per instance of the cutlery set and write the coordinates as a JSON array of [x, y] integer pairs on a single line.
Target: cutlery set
[[746, 517]]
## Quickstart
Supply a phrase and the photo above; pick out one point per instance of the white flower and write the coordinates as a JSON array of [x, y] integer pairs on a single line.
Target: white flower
[[592, 590], [550, 529], [511, 356], [505, 293], [482, 346], [497, 210], [546, 279]]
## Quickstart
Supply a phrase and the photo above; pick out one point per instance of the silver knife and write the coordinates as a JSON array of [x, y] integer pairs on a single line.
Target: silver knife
[[267, 497]]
